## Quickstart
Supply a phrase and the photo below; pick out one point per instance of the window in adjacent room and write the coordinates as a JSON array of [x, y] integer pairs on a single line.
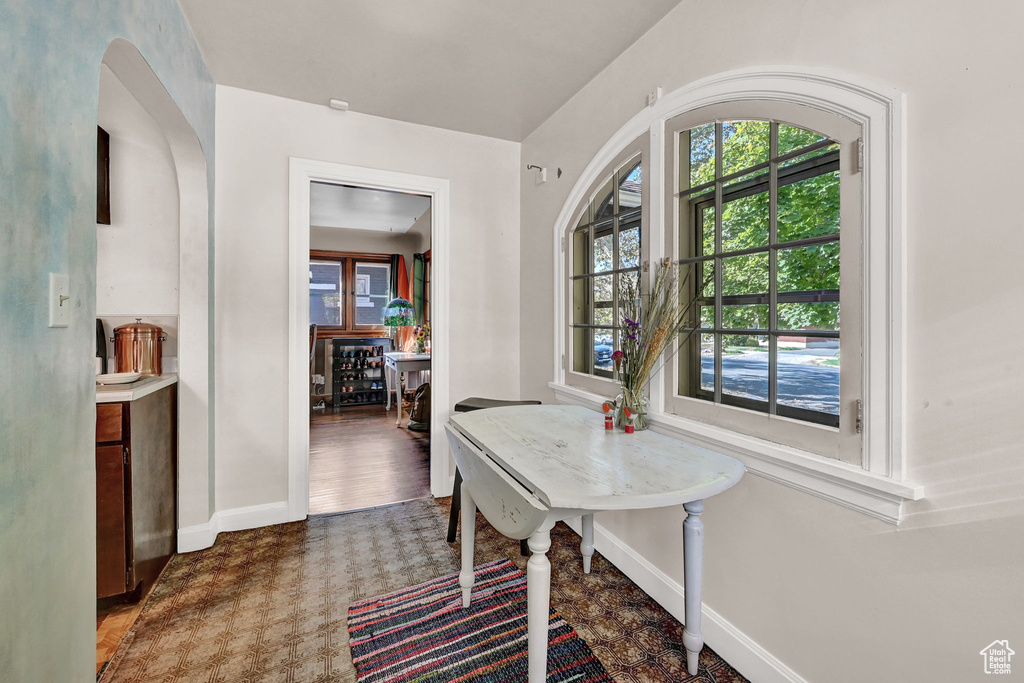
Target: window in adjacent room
[[326, 293], [348, 292]]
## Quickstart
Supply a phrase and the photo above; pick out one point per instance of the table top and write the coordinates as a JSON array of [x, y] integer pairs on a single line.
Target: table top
[[566, 457], [401, 356]]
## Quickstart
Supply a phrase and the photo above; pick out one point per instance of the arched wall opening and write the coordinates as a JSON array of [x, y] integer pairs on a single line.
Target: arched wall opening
[[195, 457]]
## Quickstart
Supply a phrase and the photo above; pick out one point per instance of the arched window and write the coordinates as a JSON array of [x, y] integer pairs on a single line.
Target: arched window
[[783, 187], [765, 208], [606, 246]]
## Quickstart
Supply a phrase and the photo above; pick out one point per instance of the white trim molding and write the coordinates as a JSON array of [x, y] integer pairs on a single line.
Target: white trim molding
[[195, 278], [742, 652], [301, 173], [881, 113], [201, 536]]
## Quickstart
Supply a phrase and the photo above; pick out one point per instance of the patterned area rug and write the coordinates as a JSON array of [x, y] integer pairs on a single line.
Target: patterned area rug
[[422, 634], [270, 604]]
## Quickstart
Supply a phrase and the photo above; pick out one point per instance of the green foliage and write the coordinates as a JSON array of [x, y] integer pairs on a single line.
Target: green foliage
[[807, 208], [702, 154], [744, 144], [792, 138]]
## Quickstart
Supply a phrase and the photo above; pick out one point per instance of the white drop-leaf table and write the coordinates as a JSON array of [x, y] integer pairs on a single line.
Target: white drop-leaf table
[[528, 467]]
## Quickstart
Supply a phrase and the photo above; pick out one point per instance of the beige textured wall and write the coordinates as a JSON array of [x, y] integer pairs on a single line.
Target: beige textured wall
[[49, 87], [836, 596], [256, 134]]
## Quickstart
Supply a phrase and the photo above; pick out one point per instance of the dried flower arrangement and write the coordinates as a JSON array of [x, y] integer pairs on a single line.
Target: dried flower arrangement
[[650, 325]]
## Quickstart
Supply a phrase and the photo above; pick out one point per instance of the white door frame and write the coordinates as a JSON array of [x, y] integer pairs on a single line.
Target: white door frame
[[301, 172]]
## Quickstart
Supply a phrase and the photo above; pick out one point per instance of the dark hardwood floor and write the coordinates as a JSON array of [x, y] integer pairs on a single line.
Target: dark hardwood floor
[[358, 458]]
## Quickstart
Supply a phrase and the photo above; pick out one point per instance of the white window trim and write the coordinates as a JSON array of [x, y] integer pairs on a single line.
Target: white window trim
[[638, 147], [879, 487]]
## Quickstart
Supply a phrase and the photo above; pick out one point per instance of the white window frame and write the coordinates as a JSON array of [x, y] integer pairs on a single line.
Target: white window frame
[[845, 442], [626, 156], [878, 487]]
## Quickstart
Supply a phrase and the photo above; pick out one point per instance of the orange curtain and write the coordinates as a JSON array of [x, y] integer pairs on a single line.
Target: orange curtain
[[404, 339]]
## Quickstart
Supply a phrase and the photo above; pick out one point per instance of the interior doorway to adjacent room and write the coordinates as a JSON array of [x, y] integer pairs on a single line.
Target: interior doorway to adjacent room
[[369, 365]]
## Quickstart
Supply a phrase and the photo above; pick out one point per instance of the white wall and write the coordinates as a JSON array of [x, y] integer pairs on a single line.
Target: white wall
[[836, 596], [137, 254], [373, 241], [256, 134]]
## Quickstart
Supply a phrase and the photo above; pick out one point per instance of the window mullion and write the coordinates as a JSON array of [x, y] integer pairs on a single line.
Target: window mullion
[[773, 268], [591, 298], [616, 276], [719, 149]]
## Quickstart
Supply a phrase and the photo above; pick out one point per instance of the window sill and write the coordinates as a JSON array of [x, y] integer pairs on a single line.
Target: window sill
[[847, 485]]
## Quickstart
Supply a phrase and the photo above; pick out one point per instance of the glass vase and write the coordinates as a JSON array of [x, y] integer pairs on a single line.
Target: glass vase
[[637, 404]]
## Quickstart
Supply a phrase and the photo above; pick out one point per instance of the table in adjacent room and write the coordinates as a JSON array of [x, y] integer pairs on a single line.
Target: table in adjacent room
[[395, 363]]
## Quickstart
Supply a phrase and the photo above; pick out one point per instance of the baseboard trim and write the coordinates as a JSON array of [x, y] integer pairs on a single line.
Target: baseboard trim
[[197, 536], [200, 536], [739, 650]]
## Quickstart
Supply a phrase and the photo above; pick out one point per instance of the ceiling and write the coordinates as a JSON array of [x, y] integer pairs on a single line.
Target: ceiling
[[491, 68], [357, 208]]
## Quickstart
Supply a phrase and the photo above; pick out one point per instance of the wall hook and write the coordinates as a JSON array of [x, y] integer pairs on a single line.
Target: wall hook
[[543, 171]]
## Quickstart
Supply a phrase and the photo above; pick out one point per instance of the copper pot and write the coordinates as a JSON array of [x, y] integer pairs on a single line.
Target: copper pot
[[137, 348]]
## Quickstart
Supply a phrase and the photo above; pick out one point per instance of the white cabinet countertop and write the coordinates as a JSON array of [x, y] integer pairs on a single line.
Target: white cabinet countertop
[[115, 393]]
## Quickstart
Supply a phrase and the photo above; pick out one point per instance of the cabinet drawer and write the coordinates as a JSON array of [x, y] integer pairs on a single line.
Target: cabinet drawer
[[108, 422]]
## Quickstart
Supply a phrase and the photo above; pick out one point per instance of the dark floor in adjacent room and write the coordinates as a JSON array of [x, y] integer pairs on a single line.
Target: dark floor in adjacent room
[[358, 458], [270, 604]]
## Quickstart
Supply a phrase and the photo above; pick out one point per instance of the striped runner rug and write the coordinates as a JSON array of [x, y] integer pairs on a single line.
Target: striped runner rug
[[423, 635]]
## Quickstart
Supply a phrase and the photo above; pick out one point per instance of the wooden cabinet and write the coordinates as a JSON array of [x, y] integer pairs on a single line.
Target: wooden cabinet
[[136, 491], [111, 533]]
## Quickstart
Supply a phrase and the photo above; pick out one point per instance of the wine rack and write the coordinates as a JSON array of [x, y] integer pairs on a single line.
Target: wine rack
[[357, 369]]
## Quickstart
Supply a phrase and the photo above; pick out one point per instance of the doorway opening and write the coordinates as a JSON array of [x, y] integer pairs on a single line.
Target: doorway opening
[[304, 174], [369, 369]]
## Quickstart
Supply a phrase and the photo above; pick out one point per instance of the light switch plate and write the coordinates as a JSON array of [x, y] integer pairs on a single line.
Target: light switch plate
[[60, 300]]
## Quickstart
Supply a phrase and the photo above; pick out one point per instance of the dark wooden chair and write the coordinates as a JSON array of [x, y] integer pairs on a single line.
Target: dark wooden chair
[[465, 406]]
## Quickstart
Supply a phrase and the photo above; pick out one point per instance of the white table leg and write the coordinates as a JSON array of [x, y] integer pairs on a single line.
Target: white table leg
[[538, 601], [693, 557], [398, 390], [387, 386], [587, 546], [466, 577]]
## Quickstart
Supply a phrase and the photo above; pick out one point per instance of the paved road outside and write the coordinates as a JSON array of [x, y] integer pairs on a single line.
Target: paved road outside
[[802, 383]]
